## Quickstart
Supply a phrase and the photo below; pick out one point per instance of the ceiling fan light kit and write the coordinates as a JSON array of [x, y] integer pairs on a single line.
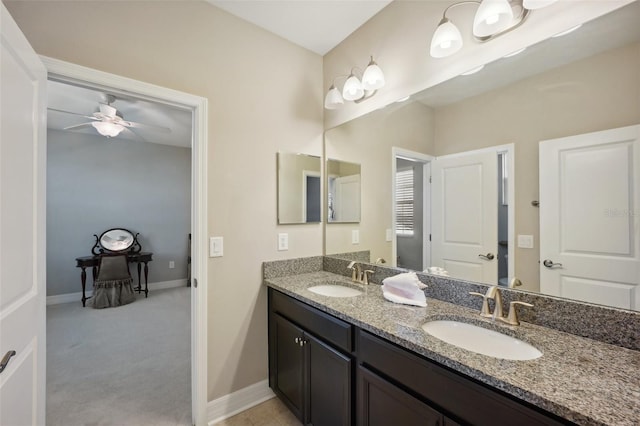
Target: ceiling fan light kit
[[492, 19], [109, 122], [108, 129]]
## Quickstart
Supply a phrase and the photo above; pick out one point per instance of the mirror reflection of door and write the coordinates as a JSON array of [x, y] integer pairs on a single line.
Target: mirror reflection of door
[[343, 191], [411, 209], [471, 224], [589, 230]]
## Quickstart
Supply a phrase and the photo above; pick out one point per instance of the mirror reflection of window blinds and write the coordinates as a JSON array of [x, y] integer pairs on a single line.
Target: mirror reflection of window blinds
[[404, 202]]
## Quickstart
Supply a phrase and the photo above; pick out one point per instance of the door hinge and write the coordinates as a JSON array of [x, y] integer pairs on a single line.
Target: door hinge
[[195, 283], [429, 237], [429, 179]]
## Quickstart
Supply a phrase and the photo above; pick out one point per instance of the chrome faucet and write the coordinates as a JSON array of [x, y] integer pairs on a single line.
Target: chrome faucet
[[493, 293], [358, 275]]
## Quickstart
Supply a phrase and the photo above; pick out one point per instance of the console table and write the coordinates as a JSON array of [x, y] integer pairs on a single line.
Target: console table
[[93, 262]]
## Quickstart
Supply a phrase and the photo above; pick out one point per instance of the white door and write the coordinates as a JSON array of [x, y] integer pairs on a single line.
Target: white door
[[22, 228], [465, 215], [347, 200], [589, 212]]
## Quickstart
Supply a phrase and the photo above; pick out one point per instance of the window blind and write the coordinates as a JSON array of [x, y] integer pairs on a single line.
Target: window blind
[[404, 202]]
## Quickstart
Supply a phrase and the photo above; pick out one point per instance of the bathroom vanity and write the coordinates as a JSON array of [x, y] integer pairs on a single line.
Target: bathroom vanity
[[363, 360]]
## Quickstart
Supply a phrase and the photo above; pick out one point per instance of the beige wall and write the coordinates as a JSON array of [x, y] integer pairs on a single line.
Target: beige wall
[[399, 37], [264, 96], [597, 93], [368, 141]]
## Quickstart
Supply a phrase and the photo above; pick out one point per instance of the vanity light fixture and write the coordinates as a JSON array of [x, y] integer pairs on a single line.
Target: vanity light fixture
[[107, 129], [492, 19], [354, 89]]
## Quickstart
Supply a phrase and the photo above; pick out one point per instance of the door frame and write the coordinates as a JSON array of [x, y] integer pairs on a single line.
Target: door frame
[[397, 152], [77, 74]]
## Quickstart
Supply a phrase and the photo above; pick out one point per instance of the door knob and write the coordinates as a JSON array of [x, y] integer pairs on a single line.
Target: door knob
[[549, 264], [5, 360], [488, 256]]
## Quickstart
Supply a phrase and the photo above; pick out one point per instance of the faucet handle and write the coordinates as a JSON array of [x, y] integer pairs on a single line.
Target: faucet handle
[[366, 276], [485, 312], [512, 318]]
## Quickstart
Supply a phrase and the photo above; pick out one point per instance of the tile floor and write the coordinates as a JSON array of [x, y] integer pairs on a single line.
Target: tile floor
[[270, 413]]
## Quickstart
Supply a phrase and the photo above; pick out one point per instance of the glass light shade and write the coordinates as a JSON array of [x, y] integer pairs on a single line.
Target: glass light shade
[[446, 40], [333, 99], [352, 89], [373, 77], [108, 129], [536, 4], [492, 17]]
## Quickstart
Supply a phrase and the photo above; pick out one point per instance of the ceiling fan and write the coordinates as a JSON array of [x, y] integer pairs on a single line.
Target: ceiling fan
[[109, 122]]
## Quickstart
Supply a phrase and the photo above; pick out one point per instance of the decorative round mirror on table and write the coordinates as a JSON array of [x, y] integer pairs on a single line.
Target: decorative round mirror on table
[[116, 240]]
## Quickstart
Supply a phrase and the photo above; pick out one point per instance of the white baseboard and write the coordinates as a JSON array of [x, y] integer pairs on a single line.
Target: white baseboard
[[236, 402], [76, 297]]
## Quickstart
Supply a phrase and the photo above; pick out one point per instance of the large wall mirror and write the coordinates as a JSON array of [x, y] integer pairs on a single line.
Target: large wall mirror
[[527, 169], [299, 188]]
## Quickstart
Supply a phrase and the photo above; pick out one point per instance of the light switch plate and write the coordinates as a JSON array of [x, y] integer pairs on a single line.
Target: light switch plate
[[216, 246], [355, 237], [283, 241], [525, 241], [389, 235], [172, 264]]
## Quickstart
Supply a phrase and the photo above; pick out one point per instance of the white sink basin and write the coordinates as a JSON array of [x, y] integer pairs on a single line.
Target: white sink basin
[[335, 290], [481, 340]]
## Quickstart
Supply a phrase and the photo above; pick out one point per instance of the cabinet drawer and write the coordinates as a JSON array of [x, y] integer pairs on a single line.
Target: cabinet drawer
[[325, 326], [469, 401]]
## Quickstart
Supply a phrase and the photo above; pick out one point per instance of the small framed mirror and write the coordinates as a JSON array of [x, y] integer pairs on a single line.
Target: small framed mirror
[[116, 240], [343, 192], [299, 188]]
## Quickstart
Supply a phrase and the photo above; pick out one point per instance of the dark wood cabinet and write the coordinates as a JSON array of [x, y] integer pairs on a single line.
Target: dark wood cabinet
[[380, 403], [289, 363], [329, 384], [312, 377], [312, 361]]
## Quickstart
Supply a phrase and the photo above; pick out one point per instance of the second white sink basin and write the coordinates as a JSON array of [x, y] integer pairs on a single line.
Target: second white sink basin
[[335, 290], [481, 340]]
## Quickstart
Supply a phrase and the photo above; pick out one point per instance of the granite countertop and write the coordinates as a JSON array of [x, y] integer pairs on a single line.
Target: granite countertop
[[579, 379]]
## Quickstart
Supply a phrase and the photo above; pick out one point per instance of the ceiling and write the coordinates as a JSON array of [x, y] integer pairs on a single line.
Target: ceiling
[[318, 25], [85, 101]]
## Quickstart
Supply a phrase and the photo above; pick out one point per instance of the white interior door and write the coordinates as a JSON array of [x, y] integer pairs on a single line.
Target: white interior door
[[465, 215], [22, 228], [589, 201], [347, 201]]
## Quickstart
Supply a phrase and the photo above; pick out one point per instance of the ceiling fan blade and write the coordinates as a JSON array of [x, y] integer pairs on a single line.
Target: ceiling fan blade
[[77, 126], [149, 127], [127, 129], [90, 117]]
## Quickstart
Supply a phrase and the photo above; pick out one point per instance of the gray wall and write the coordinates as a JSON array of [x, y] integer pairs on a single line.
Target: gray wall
[[409, 249], [95, 183]]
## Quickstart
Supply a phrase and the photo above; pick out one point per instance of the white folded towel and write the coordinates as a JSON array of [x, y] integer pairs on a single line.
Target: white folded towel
[[404, 288], [399, 299]]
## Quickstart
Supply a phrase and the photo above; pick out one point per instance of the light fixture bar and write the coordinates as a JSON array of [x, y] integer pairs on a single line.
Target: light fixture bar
[[355, 89]]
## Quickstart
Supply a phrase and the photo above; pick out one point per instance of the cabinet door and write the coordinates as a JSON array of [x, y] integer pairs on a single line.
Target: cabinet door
[[288, 361], [329, 385], [382, 404]]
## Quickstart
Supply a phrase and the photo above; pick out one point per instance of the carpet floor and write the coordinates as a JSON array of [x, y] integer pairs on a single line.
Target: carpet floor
[[128, 365]]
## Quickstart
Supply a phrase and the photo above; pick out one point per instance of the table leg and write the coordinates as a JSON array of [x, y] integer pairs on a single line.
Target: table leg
[[146, 278], [139, 288], [83, 280]]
